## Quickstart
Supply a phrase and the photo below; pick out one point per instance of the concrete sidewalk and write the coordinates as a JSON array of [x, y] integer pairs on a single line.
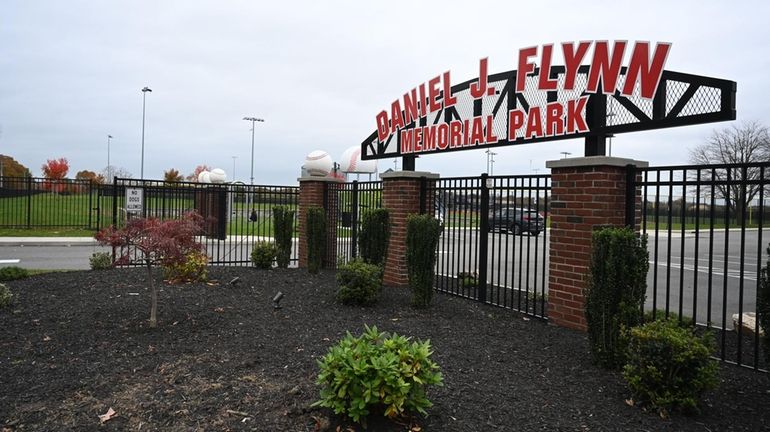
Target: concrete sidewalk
[[47, 241]]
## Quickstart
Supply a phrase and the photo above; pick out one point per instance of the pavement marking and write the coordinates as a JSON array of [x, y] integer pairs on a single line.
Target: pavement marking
[[9, 261]]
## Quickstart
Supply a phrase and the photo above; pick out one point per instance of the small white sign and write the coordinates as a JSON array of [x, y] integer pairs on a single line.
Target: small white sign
[[134, 199]]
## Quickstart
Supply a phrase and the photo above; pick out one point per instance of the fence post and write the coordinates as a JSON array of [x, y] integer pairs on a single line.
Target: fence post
[[354, 221], [29, 202], [115, 202], [90, 203], [483, 239]]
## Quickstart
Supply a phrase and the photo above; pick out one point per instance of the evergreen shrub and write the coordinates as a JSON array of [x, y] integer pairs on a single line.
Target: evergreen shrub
[[422, 234]]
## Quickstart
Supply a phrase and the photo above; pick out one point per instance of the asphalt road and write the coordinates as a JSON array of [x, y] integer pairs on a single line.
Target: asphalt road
[[712, 285]]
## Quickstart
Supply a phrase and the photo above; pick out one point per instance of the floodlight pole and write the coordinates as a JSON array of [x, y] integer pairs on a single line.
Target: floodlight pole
[[109, 137], [144, 99], [252, 120]]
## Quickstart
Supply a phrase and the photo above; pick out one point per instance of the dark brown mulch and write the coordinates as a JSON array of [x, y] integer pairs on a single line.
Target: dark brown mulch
[[76, 344]]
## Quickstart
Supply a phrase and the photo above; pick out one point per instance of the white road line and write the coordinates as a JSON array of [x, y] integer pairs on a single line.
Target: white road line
[[9, 261]]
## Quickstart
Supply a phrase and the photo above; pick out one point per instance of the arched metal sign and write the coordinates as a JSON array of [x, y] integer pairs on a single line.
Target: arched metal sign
[[596, 100]]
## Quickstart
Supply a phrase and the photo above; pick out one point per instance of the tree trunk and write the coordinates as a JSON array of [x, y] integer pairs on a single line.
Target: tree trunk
[[153, 296]]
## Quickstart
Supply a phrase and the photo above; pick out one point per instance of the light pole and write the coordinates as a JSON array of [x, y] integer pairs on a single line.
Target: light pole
[[109, 177], [252, 120], [144, 98], [565, 154], [234, 158], [490, 160]]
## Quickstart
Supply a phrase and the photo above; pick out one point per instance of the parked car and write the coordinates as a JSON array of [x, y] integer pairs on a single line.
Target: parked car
[[517, 221]]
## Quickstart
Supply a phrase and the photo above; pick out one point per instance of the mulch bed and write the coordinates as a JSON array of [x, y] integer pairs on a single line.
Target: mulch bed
[[76, 344]]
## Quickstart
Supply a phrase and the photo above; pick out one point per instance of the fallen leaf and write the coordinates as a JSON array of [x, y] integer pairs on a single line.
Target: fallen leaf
[[219, 309], [240, 413], [630, 402], [107, 416], [46, 338]]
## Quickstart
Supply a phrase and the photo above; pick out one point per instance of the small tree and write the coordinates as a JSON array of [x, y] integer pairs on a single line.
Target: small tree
[[616, 289], [172, 176], [90, 176], [283, 226], [316, 238], [167, 243], [374, 236], [422, 234], [55, 170], [12, 168]]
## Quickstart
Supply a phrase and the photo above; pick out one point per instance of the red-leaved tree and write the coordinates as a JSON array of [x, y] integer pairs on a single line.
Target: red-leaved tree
[[167, 243], [55, 170], [199, 169]]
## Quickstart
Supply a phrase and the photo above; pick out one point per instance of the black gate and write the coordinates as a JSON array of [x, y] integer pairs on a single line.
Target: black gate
[[494, 245]]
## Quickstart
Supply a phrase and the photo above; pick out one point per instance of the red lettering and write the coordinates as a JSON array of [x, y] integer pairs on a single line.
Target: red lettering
[[490, 135], [640, 69], [572, 60], [382, 126], [576, 118], [407, 141], [477, 133], [466, 131], [433, 93], [418, 140], [604, 68], [455, 134], [525, 67], [449, 100], [410, 106], [479, 89], [534, 123], [545, 82], [397, 116], [515, 122], [429, 138], [423, 105], [554, 119], [443, 136]]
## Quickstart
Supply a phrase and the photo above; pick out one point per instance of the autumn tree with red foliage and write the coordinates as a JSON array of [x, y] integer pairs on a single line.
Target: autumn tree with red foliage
[[55, 170], [199, 169], [167, 243]]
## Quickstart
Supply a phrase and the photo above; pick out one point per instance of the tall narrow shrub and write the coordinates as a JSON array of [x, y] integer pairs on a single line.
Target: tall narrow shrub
[[615, 293], [422, 234], [763, 306], [316, 238], [283, 226], [374, 235]]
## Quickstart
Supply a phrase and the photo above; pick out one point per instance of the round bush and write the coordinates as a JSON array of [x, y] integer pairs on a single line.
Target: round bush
[[263, 255], [669, 366], [100, 260], [376, 372], [5, 296], [12, 273], [192, 269], [359, 283]]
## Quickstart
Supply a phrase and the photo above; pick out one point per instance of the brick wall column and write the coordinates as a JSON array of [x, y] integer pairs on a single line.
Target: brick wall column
[[586, 193], [311, 194], [401, 196]]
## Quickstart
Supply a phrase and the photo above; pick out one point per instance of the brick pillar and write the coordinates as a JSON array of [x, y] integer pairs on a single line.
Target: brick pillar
[[311, 194], [586, 193], [401, 196]]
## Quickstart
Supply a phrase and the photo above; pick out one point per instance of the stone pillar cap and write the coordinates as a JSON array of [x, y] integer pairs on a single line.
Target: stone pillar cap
[[409, 174], [594, 161], [320, 179]]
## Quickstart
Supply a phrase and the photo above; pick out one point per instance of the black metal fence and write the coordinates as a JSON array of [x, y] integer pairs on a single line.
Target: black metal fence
[[499, 260], [707, 228], [30, 202], [352, 201], [237, 216]]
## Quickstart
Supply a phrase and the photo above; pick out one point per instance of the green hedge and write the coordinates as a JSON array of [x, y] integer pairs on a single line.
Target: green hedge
[[316, 238], [422, 234], [763, 306], [283, 221], [359, 283], [374, 236]]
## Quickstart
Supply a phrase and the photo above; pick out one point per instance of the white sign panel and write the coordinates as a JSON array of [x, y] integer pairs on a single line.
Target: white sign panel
[[134, 199]]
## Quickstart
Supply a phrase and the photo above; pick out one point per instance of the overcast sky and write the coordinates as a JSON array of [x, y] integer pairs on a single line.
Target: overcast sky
[[318, 72]]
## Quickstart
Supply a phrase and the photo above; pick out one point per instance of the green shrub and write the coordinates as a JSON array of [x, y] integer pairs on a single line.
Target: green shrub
[[669, 367], [283, 223], [194, 268], [615, 293], [377, 372], [422, 234], [316, 238], [763, 307], [374, 235], [359, 283], [100, 260], [660, 315], [5, 296], [468, 279], [13, 273], [263, 255]]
